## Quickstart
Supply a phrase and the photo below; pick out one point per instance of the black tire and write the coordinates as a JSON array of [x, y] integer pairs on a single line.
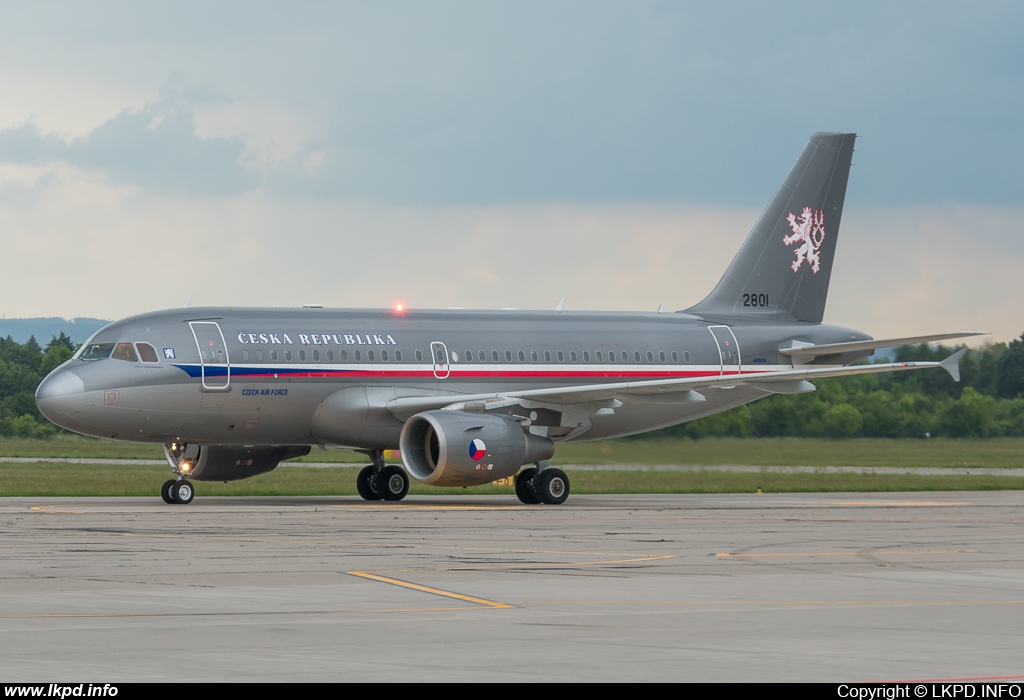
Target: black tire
[[393, 483], [525, 486], [165, 491], [366, 484], [552, 486], [183, 492]]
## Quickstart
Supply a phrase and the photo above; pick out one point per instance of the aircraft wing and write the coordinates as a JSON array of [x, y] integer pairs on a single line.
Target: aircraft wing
[[591, 398]]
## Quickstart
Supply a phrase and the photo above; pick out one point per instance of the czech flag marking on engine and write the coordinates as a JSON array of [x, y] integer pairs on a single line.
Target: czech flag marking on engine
[[477, 450]]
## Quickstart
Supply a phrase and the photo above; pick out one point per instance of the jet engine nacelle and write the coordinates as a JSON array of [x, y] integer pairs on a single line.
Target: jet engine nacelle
[[233, 462], [456, 448]]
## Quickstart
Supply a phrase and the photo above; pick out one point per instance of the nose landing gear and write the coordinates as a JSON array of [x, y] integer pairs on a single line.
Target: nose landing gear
[[182, 458]]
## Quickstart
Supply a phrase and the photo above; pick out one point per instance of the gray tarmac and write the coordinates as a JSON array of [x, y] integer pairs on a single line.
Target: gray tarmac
[[753, 587]]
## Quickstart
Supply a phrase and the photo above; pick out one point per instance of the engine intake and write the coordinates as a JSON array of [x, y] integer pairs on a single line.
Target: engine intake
[[456, 448]]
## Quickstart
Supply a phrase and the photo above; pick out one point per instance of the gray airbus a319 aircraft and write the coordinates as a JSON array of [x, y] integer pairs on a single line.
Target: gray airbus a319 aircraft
[[470, 397]]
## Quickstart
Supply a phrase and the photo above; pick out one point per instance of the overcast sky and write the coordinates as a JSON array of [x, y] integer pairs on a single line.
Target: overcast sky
[[490, 154]]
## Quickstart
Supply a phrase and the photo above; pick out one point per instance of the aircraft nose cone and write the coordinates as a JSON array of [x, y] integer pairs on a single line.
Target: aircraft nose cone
[[60, 396]]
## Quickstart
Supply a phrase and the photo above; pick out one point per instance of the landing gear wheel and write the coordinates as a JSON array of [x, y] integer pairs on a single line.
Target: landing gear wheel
[[525, 486], [393, 483], [552, 486], [165, 491], [182, 492], [366, 484]]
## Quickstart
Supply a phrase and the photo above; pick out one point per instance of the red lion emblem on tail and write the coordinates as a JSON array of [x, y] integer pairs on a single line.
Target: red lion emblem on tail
[[809, 230]]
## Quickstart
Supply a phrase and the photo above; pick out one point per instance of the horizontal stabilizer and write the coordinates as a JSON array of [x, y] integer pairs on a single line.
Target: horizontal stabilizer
[[811, 351]]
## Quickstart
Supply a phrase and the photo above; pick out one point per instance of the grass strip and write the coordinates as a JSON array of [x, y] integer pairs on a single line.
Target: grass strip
[[857, 452], [59, 479]]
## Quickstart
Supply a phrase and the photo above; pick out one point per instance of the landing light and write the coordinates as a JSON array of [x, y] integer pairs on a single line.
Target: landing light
[[399, 308]]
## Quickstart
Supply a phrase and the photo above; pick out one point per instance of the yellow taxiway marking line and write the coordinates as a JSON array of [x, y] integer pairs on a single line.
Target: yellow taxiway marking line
[[47, 509], [427, 589], [884, 552]]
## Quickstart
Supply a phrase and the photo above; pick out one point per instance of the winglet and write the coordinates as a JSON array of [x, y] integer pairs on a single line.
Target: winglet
[[952, 364]]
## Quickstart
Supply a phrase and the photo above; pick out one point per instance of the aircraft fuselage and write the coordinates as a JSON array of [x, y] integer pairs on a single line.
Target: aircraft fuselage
[[262, 376]]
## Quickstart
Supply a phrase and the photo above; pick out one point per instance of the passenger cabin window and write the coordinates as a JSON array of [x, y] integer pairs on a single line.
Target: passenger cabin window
[[383, 355], [650, 356], [675, 357], [598, 356], [288, 355], [522, 356], [273, 355], [636, 355], [398, 355], [245, 356], [533, 355], [369, 355], [469, 356], [586, 356], [482, 356], [572, 355], [125, 351], [561, 356], [302, 355], [343, 355], [455, 355], [508, 356], [359, 358], [494, 355], [259, 356], [147, 352], [419, 356], [547, 356], [686, 356], [661, 355], [330, 356]]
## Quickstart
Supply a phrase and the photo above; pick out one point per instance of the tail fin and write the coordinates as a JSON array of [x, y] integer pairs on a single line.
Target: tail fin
[[783, 269]]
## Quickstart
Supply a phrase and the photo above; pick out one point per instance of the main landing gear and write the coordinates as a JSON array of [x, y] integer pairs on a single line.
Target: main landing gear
[[182, 458], [542, 484], [382, 482]]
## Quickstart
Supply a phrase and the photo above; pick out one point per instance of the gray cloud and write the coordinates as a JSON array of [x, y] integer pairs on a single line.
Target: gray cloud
[[155, 147], [465, 103]]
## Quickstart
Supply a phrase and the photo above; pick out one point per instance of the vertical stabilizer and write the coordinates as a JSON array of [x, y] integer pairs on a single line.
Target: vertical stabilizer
[[783, 269]]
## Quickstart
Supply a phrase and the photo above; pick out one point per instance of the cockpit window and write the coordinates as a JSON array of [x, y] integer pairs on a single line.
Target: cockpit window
[[125, 351], [96, 351], [147, 352]]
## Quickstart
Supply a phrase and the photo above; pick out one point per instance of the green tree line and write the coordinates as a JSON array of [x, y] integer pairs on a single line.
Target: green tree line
[[988, 402], [22, 367]]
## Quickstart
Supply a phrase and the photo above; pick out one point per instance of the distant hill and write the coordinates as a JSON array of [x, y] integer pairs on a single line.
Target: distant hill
[[78, 329]]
